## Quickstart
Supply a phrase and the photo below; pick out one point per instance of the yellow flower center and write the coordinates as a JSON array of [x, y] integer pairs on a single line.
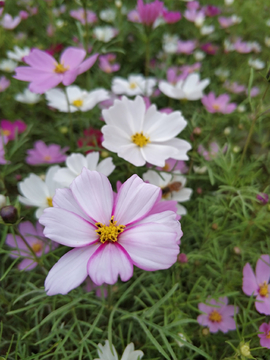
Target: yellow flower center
[[49, 201], [60, 69], [36, 247], [47, 158], [6, 132], [215, 316], [132, 85], [264, 289], [140, 139], [268, 335], [77, 102], [110, 232], [166, 167], [216, 107]]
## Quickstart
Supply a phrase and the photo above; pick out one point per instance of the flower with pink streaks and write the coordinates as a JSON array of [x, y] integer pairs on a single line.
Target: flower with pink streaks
[[186, 47], [9, 129], [213, 151], [209, 48], [9, 23], [92, 137], [149, 12], [258, 284], [218, 315], [79, 15], [35, 239], [107, 64], [234, 87], [3, 141], [211, 10], [45, 72], [4, 83], [43, 154], [171, 17], [265, 337], [218, 104], [110, 234]]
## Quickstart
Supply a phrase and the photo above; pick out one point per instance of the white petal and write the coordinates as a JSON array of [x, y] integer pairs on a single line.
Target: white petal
[[34, 189], [106, 166], [64, 177], [75, 163], [156, 154]]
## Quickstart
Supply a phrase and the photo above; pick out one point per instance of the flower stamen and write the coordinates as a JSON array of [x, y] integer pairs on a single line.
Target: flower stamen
[[49, 201], [215, 316], [60, 69], [140, 139], [36, 247], [264, 289], [77, 103], [109, 232]]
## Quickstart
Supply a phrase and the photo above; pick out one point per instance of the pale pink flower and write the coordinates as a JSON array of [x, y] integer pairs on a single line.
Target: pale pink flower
[[134, 16], [172, 165], [79, 14], [35, 239], [265, 337], [4, 83], [218, 104], [9, 23], [254, 91], [110, 233], [193, 5], [3, 141], [171, 17], [218, 315], [195, 16], [186, 47], [234, 87], [149, 12], [242, 47], [107, 64], [23, 14], [45, 72], [43, 154], [9, 129], [258, 285], [213, 151]]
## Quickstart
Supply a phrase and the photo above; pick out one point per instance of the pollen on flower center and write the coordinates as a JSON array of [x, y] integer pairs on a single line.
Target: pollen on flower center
[[268, 335], [140, 139], [109, 232], [77, 102], [216, 107], [36, 247], [215, 316], [6, 132], [47, 158], [60, 69], [264, 289], [49, 201], [133, 85]]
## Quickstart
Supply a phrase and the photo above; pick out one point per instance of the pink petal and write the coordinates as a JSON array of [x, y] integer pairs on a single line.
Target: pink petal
[[265, 343], [87, 64], [263, 269], [70, 77], [67, 228], [228, 310], [93, 192], [203, 320], [72, 57], [41, 87], [151, 246], [109, 261], [227, 323], [27, 264], [70, 271], [27, 228], [134, 200], [40, 60], [29, 74], [205, 308], [262, 305], [249, 281]]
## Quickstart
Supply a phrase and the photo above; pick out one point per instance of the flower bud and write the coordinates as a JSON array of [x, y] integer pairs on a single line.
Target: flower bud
[[2, 201], [9, 214], [245, 349], [182, 258], [197, 131], [227, 130]]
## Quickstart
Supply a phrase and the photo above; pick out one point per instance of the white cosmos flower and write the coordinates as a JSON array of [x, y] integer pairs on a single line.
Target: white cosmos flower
[[199, 55], [18, 54], [190, 89], [8, 65], [134, 85], [104, 352], [267, 41], [107, 15], [28, 97], [76, 162], [37, 192], [256, 64], [139, 135], [206, 30], [170, 43], [172, 186], [104, 33], [78, 99]]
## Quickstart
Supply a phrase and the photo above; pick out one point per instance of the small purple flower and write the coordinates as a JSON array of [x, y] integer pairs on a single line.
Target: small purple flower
[[263, 198], [218, 104], [79, 15], [212, 152], [218, 315], [186, 47], [258, 285], [265, 337], [211, 10], [35, 239], [43, 154], [171, 17], [107, 64], [9, 129], [9, 23], [4, 83]]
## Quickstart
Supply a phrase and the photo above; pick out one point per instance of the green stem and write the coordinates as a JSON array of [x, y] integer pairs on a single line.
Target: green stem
[[27, 245], [147, 55], [71, 134]]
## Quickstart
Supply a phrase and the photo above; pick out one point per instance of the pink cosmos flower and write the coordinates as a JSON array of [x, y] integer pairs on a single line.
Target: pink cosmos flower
[[195, 16], [45, 72], [211, 10], [110, 233], [263, 198], [4, 83], [225, 22], [36, 240], [242, 47], [209, 48], [212, 152], [218, 104], [171, 17], [218, 315], [186, 47], [193, 5], [234, 87], [9, 128], [257, 285], [23, 14], [172, 165], [149, 12], [9, 23], [254, 91], [265, 337], [3, 141], [43, 154], [106, 63], [134, 16], [79, 14]]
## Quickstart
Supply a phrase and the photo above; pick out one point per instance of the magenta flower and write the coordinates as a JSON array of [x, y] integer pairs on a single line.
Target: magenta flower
[[218, 315], [45, 72], [209, 48], [3, 141], [107, 64], [149, 12], [218, 104], [171, 17], [265, 337], [79, 14], [43, 154], [9, 128], [110, 233], [36, 240], [23, 14], [4, 83], [211, 10], [263, 198], [257, 285]]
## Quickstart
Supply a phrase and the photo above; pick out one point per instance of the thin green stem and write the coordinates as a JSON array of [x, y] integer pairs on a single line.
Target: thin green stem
[[147, 55], [71, 134], [27, 245]]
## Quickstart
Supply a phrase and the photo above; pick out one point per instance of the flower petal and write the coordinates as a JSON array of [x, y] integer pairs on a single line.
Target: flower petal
[[250, 285], [72, 57], [263, 269]]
